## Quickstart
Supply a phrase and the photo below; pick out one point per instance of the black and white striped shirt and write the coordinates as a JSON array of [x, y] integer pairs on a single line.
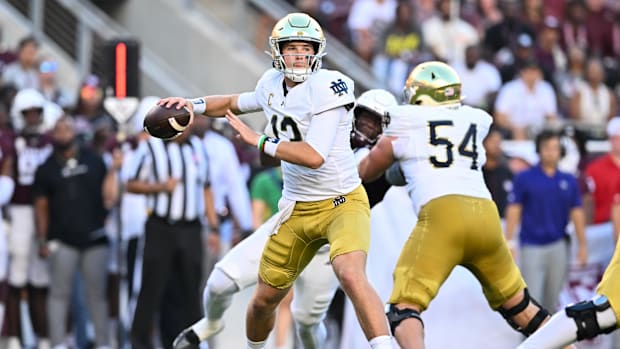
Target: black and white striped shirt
[[155, 161]]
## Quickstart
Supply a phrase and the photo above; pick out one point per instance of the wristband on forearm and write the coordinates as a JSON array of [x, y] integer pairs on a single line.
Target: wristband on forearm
[[270, 146], [199, 104], [261, 142]]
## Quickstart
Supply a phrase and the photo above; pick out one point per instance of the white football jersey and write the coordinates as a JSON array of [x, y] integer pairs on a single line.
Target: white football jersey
[[440, 150], [289, 116]]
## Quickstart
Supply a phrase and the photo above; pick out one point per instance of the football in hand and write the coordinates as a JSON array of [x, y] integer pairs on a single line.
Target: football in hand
[[167, 123]]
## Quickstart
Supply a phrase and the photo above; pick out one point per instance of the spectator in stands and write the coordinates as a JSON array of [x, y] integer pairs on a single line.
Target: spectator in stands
[[555, 8], [503, 35], [533, 14], [602, 176], [510, 61], [23, 73], [481, 14], [593, 103], [89, 113], [48, 85], [548, 52], [72, 191], [399, 48], [567, 81], [599, 29], [542, 201], [367, 20], [446, 35], [526, 104], [481, 80], [497, 174], [574, 32]]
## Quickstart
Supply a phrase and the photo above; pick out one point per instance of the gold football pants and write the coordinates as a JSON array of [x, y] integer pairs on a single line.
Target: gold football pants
[[456, 230], [343, 222]]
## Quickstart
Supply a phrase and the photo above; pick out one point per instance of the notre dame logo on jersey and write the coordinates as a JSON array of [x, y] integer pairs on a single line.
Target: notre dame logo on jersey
[[339, 87]]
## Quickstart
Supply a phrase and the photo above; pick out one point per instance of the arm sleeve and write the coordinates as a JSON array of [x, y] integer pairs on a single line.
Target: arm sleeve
[[248, 102], [323, 130]]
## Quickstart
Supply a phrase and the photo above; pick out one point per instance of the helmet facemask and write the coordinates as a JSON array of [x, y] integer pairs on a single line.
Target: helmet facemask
[[367, 127], [297, 27]]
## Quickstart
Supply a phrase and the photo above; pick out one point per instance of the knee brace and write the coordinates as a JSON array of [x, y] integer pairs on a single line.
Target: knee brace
[[586, 317], [534, 323], [395, 316]]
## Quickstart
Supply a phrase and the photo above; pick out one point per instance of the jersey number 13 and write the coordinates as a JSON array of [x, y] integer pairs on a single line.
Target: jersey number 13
[[467, 147]]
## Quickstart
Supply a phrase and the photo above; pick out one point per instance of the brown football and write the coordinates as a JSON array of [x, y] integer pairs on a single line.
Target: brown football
[[167, 123]]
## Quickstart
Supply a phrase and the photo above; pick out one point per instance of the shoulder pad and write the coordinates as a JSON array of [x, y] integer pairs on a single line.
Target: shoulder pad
[[330, 89], [402, 119], [267, 76]]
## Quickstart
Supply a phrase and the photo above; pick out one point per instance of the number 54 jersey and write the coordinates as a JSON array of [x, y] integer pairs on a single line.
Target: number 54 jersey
[[440, 150], [295, 114]]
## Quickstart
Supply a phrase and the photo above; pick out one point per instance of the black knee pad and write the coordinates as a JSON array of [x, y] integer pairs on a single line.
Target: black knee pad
[[395, 316], [584, 314], [534, 323]]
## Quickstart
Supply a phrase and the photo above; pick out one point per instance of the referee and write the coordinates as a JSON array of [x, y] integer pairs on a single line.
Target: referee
[[174, 174]]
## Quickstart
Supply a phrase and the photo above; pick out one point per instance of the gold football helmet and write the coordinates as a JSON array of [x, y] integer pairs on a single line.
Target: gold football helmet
[[433, 83], [297, 27]]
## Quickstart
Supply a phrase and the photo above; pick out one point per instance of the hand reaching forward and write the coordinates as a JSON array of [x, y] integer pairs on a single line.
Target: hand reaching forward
[[245, 133]]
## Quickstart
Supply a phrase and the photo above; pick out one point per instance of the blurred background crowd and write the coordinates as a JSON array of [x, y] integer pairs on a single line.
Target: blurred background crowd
[[532, 64]]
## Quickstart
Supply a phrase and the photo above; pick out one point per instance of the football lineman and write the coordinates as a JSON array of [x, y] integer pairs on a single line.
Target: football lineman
[[316, 285], [323, 200], [438, 142]]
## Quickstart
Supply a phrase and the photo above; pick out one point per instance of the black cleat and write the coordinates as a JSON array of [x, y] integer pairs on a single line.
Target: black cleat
[[187, 339]]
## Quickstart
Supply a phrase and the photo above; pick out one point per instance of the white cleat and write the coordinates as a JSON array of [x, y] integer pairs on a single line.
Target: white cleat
[[191, 337]]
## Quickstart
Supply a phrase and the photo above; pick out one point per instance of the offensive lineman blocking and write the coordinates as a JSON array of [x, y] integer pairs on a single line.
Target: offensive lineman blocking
[[323, 200], [437, 140]]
